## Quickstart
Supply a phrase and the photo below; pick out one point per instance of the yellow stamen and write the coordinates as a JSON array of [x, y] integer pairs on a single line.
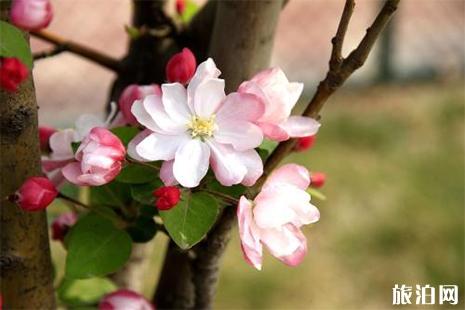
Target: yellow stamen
[[202, 127]]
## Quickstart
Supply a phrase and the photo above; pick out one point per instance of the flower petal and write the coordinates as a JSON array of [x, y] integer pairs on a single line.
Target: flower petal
[[250, 239], [205, 70], [254, 165], [160, 147], [60, 144], [300, 126], [226, 165], [166, 173], [143, 117], [296, 175], [135, 141], [175, 102], [191, 163], [241, 135], [154, 106], [71, 172], [208, 97], [239, 106], [273, 132]]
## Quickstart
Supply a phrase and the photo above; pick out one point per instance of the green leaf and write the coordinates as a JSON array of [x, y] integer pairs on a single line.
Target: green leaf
[[191, 219], [85, 292], [70, 190], [96, 248], [266, 148], [316, 193], [143, 229], [75, 146], [143, 193], [189, 11], [125, 134], [13, 44], [235, 191], [137, 174], [114, 194]]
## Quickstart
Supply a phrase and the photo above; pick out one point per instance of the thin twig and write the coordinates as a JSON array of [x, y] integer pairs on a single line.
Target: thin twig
[[79, 49], [45, 54], [226, 198]]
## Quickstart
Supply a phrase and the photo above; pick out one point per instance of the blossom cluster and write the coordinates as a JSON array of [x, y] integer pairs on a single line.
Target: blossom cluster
[[191, 126]]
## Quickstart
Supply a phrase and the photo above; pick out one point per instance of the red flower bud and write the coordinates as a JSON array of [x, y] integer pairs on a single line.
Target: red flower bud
[[304, 143], [180, 6], [124, 299], [181, 67], [317, 179], [12, 73], [62, 224], [132, 93], [44, 137], [168, 197], [36, 194], [31, 14]]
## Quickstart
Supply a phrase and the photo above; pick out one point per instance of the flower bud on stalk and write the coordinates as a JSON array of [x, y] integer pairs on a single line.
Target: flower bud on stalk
[[304, 143], [12, 73], [318, 179], [35, 194], [181, 67], [167, 197], [180, 6], [132, 93], [31, 14], [124, 299]]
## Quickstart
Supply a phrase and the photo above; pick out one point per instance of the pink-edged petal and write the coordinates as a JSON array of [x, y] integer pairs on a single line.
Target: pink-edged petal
[[51, 164], [274, 132], [300, 126], [250, 238], [294, 174], [160, 147], [71, 172], [191, 163], [272, 208], [166, 173], [287, 244], [60, 144], [134, 142], [208, 97], [175, 102], [205, 70], [226, 164], [154, 106], [241, 135], [254, 165], [239, 106], [143, 117]]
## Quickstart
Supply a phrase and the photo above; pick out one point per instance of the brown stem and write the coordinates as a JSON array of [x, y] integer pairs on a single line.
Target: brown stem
[[79, 49], [50, 53], [26, 267]]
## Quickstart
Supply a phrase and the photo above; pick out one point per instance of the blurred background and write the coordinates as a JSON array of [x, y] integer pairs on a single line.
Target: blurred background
[[392, 145]]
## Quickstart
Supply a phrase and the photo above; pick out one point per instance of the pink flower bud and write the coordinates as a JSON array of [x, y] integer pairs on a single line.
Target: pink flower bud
[[304, 143], [31, 14], [36, 194], [62, 224], [180, 6], [99, 159], [12, 73], [181, 67], [44, 137], [124, 299], [317, 179], [132, 93], [168, 197]]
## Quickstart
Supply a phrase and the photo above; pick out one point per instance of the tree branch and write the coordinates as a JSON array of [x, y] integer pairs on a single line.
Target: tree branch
[[50, 53], [79, 49]]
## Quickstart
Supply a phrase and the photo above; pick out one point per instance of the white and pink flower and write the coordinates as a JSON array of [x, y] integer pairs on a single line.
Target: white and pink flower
[[31, 14], [279, 96], [194, 128], [99, 159], [132, 93], [275, 216]]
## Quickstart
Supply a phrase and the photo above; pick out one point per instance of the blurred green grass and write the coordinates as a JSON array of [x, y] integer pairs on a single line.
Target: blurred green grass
[[394, 156]]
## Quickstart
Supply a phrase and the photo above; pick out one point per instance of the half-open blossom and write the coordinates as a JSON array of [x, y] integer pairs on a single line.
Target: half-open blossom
[[36, 194], [99, 159], [62, 224], [12, 73], [275, 216], [167, 197], [124, 299], [31, 14], [181, 67], [279, 96], [304, 143], [132, 93], [318, 179], [191, 129], [45, 133]]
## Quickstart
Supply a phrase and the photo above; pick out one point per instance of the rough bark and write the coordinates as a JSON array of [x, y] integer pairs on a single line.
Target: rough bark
[[241, 45], [25, 262]]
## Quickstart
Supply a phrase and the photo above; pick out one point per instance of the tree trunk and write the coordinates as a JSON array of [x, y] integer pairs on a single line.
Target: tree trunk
[[26, 267], [241, 45]]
